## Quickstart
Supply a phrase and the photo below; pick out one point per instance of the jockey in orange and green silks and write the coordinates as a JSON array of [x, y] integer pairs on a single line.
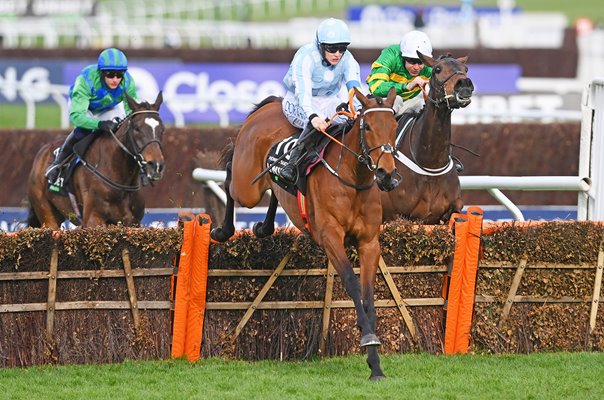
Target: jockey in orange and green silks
[[399, 67], [97, 98]]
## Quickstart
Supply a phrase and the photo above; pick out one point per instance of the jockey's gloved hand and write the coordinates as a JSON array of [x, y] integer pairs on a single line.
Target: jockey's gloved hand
[[107, 126]]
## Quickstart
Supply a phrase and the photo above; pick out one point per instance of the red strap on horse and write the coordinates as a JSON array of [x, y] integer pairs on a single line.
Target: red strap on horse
[[303, 211]]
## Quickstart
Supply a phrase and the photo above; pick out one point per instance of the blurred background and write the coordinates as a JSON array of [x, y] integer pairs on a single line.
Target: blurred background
[[530, 62], [214, 59]]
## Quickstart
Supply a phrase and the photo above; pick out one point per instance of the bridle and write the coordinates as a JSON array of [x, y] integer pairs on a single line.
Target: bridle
[[440, 88], [364, 157], [136, 154]]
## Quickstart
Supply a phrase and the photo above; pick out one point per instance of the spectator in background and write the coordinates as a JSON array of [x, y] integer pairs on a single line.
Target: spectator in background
[[96, 99], [418, 21], [314, 80], [398, 66]]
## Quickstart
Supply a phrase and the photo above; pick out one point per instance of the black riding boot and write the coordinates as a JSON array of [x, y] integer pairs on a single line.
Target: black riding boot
[[289, 171], [52, 173]]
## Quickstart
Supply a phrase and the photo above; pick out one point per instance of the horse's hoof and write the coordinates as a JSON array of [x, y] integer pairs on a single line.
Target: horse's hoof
[[220, 235], [260, 230], [377, 377], [370, 339]]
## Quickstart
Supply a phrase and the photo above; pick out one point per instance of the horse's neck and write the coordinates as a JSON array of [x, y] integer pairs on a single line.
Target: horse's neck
[[431, 141], [112, 160]]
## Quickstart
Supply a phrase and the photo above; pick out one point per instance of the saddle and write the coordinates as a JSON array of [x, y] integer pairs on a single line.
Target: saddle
[[315, 146], [69, 165], [405, 122]]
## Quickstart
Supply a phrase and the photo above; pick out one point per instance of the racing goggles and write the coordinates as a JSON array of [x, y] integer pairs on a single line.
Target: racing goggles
[[413, 61], [113, 74], [333, 48]]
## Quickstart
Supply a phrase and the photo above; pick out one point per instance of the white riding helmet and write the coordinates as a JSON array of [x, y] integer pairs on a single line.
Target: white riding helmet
[[332, 31], [415, 41]]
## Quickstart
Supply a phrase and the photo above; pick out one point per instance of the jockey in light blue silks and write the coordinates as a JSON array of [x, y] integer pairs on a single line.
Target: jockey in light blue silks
[[314, 81]]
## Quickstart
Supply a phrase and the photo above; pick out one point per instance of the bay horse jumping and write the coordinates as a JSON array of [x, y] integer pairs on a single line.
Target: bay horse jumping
[[342, 204], [430, 191], [106, 187]]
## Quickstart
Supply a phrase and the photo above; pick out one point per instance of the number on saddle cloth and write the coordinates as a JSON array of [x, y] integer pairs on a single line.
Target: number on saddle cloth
[[68, 167], [315, 146]]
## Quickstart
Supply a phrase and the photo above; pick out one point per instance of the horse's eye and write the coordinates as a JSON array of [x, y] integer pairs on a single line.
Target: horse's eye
[[437, 69]]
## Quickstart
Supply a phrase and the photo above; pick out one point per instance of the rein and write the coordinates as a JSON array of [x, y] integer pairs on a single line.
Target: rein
[[413, 165], [137, 155], [365, 156]]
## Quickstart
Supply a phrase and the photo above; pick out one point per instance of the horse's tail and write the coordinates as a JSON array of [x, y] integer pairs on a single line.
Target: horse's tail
[[32, 219], [227, 154]]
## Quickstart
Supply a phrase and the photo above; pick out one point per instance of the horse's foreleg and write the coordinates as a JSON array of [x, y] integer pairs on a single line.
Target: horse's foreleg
[[332, 241], [369, 255], [227, 229], [267, 228]]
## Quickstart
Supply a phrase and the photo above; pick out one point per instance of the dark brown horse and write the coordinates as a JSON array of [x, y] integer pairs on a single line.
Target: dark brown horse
[[341, 205], [106, 187], [430, 190]]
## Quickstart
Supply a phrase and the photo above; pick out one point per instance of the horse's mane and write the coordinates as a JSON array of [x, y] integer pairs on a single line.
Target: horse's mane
[[269, 99]]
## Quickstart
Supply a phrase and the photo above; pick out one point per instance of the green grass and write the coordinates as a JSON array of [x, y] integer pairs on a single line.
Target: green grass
[[572, 9], [14, 115], [412, 376]]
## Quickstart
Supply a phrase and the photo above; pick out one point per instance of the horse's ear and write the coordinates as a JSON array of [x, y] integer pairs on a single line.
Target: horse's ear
[[158, 100], [463, 60], [427, 60], [391, 96], [364, 100], [131, 102]]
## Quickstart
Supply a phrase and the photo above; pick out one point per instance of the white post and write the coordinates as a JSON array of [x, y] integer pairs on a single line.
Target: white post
[[591, 206]]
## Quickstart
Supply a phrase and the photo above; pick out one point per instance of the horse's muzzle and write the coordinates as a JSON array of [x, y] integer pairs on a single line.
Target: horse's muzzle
[[387, 181], [154, 170], [463, 92]]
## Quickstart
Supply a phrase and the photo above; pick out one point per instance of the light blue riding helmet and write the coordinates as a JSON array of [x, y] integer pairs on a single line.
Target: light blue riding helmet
[[333, 31], [112, 59]]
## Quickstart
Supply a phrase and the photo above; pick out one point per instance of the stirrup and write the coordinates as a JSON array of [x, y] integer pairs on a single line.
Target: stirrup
[[50, 168]]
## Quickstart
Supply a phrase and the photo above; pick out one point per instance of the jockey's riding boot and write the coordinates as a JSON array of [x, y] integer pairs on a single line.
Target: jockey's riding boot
[[52, 172], [289, 171]]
